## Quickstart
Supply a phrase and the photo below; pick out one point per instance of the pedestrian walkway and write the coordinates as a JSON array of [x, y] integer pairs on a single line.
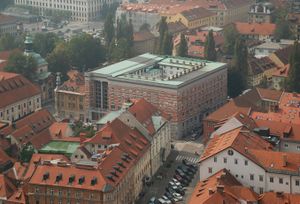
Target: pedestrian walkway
[[193, 160]]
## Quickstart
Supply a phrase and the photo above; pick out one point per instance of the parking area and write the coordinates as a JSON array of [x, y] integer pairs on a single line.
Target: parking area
[[166, 172]]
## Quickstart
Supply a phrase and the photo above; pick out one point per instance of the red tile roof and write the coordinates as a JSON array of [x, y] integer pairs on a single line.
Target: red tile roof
[[7, 188], [6, 19], [197, 13], [279, 198], [221, 187], [142, 36], [17, 198], [255, 28], [238, 139], [143, 111], [15, 87], [75, 83]]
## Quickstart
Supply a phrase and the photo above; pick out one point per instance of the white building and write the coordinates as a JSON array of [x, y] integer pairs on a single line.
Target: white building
[[81, 10], [19, 96], [270, 46], [251, 160]]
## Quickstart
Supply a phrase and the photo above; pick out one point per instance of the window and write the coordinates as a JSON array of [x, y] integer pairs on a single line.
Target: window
[[230, 152], [261, 178], [209, 170], [297, 182], [281, 180], [298, 148], [59, 192], [235, 161], [286, 145], [261, 190], [246, 162], [51, 191], [271, 180], [37, 190], [215, 159], [225, 160], [251, 177]]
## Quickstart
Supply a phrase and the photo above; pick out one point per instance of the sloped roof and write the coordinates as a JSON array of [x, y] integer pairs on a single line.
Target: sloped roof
[[196, 13], [232, 191], [15, 87], [7, 188], [142, 36], [278, 198], [255, 28], [284, 54]]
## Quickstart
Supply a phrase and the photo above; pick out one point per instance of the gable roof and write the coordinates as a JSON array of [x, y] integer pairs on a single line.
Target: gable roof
[[196, 13], [255, 28], [278, 198], [15, 87], [219, 188], [260, 65], [284, 54], [7, 188]]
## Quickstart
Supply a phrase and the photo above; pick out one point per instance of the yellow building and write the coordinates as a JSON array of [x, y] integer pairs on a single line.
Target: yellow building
[[70, 97], [195, 18]]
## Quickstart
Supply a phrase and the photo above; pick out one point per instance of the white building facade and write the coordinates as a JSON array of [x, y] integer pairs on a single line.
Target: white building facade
[[80, 10]]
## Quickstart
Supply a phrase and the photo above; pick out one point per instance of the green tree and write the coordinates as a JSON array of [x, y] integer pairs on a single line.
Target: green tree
[[59, 60], [109, 30], [182, 49], [26, 153], [44, 43], [7, 42], [293, 81], [162, 29], [85, 52], [209, 47], [167, 46], [21, 64], [120, 50], [283, 30], [230, 36]]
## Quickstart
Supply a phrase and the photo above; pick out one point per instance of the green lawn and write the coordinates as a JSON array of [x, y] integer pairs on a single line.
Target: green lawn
[[60, 147]]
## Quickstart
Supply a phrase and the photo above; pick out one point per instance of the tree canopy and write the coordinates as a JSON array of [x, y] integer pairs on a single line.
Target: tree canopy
[[109, 30], [44, 43], [182, 49], [21, 64], [164, 43], [209, 48], [230, 36], [294, 72], [9, 42], [85, 52], [26, 153]]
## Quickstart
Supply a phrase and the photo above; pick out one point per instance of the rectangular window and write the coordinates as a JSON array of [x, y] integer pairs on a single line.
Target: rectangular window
[[298, 148], [246, 162], [297, 182], [209, 170], [225, 160], [271, 180], [261, 190], [261, 178], [235, 161], [281, 180], [251, 177], [286, 145], [215, 159]]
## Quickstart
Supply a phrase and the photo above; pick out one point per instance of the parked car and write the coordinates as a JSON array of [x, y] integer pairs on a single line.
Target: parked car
[[153, 200], [185, 162], [162, 201], [166, 199], [188, 168]]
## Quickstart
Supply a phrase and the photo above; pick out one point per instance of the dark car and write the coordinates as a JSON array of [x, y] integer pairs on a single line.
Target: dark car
[[185, 168], [186, 163], [183, 181], [186, 171]]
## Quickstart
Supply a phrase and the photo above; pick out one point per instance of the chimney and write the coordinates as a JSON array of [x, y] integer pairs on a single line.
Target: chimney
[[284, 160], [210, 191], [220, 188]]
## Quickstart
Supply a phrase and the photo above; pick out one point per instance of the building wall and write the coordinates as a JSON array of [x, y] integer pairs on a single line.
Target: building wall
[[9, 28], [242, 172], [70, 105], [20, 108], [81, 10], [141, 47], [55, 194], [289, 146]]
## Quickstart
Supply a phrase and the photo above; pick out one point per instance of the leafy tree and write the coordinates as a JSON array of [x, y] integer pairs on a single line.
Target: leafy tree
[[9, 42], [120, 50], [109, 30], [167, 47], [209, 47], [85, 52], [230, 36], [108, 9], [283, 30], [162, 29], [238, 73], [21, 64], [26, 153], [44, 43], [293, 81], [59, 60], [182, 49]]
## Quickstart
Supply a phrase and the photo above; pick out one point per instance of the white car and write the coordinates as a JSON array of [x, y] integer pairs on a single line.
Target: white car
[[163, 201], [178, 196], [175, 183], [166, 199]]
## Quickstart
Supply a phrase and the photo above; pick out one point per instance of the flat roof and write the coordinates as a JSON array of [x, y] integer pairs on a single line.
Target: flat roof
[[61, 147], [190, 69]]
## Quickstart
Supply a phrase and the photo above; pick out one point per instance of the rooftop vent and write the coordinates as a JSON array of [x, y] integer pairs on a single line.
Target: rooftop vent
[[58, 177], [46, 176], [81, 180], [71, 179], [121, 164], [94, 181], [117, 169]]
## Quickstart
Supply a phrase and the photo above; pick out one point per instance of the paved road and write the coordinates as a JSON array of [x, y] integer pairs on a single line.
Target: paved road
[[157, 189]]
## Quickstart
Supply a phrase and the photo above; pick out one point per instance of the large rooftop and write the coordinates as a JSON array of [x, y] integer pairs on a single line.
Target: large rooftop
[[159, 70]]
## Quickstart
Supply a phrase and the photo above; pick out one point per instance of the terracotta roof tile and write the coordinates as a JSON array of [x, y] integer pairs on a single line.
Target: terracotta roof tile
[[232, 191], [15, 87], [255, 28], [197, 13], [279, 198], [7, 187]]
